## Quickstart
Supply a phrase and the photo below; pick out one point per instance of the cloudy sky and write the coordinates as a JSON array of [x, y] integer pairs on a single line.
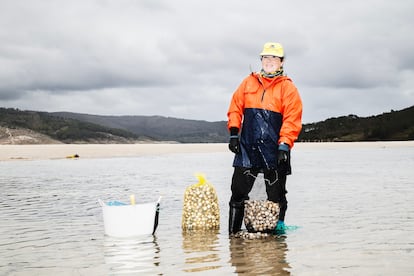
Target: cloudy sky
[[185, 58]]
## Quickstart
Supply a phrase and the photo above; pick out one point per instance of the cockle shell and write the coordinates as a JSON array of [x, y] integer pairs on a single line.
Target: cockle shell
[[251, 236]]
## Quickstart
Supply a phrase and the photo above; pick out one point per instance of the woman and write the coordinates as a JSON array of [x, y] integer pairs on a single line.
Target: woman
[[269, 105]]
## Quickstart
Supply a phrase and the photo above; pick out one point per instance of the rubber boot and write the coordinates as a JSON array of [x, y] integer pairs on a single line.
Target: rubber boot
[[236, 214]]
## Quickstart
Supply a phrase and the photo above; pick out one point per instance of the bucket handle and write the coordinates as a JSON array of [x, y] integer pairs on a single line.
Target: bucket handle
[[101, 202]]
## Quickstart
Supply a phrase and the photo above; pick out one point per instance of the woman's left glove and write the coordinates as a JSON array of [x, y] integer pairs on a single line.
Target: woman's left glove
[[283, 159]]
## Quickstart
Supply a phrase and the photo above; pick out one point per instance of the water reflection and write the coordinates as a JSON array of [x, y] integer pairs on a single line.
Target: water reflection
[[132, 255], [201, 250], [259, 256]]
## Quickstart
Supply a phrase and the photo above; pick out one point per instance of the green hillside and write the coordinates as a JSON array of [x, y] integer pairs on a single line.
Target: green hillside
[[85, 128], [160, 128], [391, 126], [63, 129]]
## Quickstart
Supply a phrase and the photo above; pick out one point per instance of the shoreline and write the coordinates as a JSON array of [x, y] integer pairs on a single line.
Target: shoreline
[[93, 151], [62, 151]]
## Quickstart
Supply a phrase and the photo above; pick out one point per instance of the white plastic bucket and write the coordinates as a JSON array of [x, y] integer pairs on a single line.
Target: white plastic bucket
[[130, 220]]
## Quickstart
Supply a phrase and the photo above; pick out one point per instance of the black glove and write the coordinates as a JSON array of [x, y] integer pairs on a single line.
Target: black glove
[[283, 159], [234, 143]]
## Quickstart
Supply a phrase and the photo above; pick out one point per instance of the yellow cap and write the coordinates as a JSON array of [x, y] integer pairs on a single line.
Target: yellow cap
[[272, 49]]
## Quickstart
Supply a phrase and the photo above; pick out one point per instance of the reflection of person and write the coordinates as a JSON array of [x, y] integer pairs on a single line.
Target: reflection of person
[[259, 256], [264, 120]]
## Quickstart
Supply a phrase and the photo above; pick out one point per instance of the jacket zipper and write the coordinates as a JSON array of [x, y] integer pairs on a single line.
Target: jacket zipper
[[264, 89]]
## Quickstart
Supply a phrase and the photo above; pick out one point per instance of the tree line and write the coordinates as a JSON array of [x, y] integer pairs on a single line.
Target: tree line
[[390, 126], [63, 129], [75, 127]]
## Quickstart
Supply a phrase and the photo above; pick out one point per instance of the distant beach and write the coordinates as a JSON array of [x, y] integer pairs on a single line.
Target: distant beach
[[61, 151]]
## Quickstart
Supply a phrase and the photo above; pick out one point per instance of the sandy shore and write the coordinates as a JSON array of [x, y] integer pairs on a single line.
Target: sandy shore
[[61, 151]]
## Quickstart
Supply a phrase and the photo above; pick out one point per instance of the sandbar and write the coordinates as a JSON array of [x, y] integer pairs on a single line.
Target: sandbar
[[61, 151]]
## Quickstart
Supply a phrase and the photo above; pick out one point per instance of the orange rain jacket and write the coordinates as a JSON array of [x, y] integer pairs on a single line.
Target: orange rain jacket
[[268, 111]]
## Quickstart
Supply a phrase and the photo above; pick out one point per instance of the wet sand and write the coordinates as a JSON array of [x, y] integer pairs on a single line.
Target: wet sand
[[61, 151]]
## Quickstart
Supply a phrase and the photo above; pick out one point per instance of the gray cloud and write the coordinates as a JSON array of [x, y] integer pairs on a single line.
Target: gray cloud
[[184, 59]]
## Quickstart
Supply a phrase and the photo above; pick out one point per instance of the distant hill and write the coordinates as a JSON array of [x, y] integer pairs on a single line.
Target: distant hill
[[395, 125], [391, 126], [69, 127], [160, 128], [24, 127]]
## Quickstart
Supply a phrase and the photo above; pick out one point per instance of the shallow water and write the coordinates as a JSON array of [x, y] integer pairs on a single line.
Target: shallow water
[[353, 206]]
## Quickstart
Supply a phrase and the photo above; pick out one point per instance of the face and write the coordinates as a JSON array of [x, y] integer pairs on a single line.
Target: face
[[271, 64]]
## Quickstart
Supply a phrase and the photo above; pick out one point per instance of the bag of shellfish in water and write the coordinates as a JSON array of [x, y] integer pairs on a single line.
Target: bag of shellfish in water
[[201, 208], [260, 215]]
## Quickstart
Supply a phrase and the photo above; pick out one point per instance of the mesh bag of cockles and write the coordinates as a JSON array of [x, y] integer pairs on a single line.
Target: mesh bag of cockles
[[260, 215], [201, 207]]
